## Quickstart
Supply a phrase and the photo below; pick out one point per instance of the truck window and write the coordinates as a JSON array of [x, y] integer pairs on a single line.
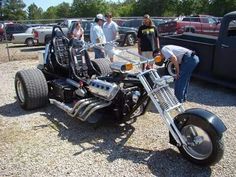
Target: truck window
[[232, 28], [195, 19], [211, 20], [186, 19], [204, 20]]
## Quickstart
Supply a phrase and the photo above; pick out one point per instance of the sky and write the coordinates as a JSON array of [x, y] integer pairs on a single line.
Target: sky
[[44, 4]]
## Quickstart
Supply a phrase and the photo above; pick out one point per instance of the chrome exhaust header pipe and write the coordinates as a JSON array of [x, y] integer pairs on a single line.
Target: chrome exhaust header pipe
[[83, 108], [94, 108], [66, 108]]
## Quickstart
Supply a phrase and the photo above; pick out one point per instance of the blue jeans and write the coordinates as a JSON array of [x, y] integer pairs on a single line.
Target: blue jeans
[[187, 66], [98, 53]]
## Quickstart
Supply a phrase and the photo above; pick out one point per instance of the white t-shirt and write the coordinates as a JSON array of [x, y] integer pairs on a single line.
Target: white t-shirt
[[169, 50], [78, 33], [110, 30], [96, 32]]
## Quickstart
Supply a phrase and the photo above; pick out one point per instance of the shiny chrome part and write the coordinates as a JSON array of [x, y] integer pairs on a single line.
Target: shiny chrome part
[[199, 144], [105, 104], [20, 91], [135, 96], [164, 100], [81, 92], [118, 66], [83, 108], [103, 89], [72, 82]]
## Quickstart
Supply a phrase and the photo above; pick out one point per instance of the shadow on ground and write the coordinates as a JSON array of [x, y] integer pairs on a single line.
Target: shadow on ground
[[13, 110], [110, 138], [16, 46], [32, 49]]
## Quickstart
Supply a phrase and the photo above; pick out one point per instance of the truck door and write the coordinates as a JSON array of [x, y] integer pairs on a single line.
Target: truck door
[[225, 60], [210, 26]]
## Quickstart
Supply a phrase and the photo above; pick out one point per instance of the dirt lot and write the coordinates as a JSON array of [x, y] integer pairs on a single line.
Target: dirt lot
[[47, 142], [11, 52]]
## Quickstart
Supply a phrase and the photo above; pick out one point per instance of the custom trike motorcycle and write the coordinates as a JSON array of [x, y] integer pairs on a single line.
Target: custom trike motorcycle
[[89, 89]]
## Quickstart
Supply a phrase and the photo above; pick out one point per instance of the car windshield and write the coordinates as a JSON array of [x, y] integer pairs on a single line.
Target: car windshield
[[158, 21]]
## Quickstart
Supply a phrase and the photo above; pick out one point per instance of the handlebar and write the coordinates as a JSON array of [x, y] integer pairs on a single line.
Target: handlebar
[[117, 52]]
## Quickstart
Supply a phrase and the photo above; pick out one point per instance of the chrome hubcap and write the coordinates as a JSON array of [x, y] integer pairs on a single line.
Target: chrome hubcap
[[20, 91], [199, 144]]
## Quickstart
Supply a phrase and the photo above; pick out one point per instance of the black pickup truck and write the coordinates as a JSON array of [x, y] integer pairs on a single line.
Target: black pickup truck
[[217, 54]]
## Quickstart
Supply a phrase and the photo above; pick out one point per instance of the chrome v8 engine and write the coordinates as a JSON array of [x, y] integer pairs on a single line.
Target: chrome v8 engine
[[103, 89]]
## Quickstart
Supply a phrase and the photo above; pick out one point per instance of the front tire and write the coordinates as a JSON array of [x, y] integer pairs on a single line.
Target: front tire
[[31, 89], [205, 146], [29, 42]]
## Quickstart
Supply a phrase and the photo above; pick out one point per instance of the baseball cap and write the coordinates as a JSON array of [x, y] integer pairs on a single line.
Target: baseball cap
[[100, 17]]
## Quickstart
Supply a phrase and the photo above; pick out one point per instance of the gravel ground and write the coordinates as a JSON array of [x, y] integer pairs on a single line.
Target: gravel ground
[[47, 142]]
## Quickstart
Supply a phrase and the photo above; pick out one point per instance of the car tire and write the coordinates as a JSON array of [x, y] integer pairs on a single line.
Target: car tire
[[31, 89], [170, 69], [47, 40], [130, 40], [190, 30], [29, 42]]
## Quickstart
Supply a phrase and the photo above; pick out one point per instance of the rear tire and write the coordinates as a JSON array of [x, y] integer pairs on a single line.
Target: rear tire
[[102, 65], [31, 89], [130, 40]]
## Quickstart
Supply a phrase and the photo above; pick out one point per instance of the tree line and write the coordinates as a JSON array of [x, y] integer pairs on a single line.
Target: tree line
[[16, 9]]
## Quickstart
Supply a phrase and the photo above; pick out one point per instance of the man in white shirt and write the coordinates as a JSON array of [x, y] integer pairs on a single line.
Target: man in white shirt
[[110, 29], [97, 35], [185, 61]]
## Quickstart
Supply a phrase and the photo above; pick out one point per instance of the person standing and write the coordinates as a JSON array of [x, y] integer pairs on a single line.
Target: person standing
[[148, 40], [97, 36], [78, 32], [110, 29], [185, 61]]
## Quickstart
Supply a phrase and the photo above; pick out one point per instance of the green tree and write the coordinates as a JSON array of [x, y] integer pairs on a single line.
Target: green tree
[[125, 9], [14, 10], [89, 8], [34, 12], [221, 7], [63, 10], [151, 7], [51, 13]]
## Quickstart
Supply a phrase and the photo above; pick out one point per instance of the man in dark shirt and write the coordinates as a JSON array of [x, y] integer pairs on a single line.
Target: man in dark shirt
[[148, 40]]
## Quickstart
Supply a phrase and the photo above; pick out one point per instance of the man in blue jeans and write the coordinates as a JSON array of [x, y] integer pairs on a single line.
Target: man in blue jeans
[[185, 61]]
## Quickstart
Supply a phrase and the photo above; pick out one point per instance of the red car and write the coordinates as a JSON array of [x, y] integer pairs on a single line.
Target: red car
[[203, 24]]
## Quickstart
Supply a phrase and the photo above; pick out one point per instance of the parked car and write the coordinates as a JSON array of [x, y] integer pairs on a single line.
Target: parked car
[[14, 28], [203, 24], [27, 37], [216, 54], [127, 36], [136, 23], [43, 36]]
